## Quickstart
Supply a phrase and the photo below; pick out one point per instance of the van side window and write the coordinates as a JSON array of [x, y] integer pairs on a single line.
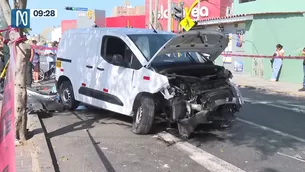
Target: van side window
[[112, 45]]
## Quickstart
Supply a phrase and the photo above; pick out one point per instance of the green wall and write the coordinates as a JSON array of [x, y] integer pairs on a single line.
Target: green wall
[[265, 31], [261, 6], [268, 30], [249, 47]]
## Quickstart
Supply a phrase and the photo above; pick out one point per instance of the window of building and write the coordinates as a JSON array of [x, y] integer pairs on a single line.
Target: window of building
[[244, 1], [112, 45]]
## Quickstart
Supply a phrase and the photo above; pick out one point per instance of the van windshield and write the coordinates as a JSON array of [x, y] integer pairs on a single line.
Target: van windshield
[[149, 44]]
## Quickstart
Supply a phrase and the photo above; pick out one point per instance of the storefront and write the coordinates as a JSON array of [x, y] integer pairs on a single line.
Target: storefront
[[236, 28], [208, 9], [258, 34]]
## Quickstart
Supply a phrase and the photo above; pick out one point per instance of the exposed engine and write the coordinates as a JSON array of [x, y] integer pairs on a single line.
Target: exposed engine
[[201, 99]]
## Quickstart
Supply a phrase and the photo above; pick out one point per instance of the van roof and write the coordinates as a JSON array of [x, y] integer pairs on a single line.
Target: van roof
[[121, 31]]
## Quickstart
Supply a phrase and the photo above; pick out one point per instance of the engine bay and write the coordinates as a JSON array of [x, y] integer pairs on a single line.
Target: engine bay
[[206, 97]]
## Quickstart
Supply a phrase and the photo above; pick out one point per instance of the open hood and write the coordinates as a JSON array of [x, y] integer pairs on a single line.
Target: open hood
[[208, 42]]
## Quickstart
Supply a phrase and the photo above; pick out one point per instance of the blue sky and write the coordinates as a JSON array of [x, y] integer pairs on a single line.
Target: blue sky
[[38, 25]]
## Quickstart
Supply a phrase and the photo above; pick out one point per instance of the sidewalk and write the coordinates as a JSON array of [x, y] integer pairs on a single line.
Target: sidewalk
[[265, 85], [33, 155]]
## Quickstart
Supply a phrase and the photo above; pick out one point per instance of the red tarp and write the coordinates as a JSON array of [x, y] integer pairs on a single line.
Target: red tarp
[[7, 119]]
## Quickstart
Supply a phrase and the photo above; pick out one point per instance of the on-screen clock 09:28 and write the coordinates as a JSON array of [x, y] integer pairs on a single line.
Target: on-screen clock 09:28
[[43, 13]]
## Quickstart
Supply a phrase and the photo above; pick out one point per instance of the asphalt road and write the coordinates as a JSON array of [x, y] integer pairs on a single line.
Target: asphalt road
[[99, 141], [268, 136]]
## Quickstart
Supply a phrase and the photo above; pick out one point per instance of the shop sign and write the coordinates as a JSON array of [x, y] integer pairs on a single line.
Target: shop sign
[[202, 12]]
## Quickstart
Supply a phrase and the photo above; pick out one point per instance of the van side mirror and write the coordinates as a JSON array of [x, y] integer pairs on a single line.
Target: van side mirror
[[118, 60]]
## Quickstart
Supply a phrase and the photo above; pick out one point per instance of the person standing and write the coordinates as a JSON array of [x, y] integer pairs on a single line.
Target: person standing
[[277, 63], [50, 54], [303, 54], [34, 59], [55, 46]]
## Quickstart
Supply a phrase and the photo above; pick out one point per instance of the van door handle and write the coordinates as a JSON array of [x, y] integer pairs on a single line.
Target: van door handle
[[101, 69], [90, 67]]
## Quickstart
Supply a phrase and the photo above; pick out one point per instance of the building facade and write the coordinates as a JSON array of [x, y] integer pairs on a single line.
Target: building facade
[[126, 21], [128, 10], [56, 34], [254, 28], [68, 24], [208, 9], [90, 18], [85, 19], [121, 21]]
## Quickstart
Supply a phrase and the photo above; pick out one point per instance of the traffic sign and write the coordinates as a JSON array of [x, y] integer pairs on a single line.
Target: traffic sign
[[187, 23], [76, 9], [178, 12], [90, 13]]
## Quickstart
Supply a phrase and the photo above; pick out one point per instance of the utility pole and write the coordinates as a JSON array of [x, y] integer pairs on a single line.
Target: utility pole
[[198, 17], [156, 14], [181, 5], [150, 14], [178, 13], [169, 18]]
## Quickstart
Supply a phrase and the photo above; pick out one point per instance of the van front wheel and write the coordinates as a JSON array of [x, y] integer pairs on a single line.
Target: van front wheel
[[143, 117], [67, 96]]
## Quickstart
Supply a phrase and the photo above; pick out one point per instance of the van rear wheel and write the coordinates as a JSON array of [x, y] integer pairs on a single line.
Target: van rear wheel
[[67, 96], [143, 117]]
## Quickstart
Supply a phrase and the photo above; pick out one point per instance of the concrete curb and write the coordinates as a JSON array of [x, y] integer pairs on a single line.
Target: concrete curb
[[260, 88], [41, 158]]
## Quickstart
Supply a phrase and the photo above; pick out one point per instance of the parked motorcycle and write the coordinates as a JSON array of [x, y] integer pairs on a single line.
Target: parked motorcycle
[[50, 74]]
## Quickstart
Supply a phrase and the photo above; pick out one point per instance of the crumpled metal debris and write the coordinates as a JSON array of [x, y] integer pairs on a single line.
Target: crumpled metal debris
[[38, 102]]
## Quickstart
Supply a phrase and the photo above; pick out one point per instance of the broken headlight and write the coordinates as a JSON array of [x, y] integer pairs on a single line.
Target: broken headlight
[[237, 92]]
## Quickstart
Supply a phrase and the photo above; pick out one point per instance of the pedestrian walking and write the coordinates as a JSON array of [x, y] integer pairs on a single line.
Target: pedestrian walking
[[34, 59], [303, 54], [277, 62]]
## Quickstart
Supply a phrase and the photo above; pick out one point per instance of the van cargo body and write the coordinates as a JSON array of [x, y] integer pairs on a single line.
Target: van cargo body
[[144, 73]]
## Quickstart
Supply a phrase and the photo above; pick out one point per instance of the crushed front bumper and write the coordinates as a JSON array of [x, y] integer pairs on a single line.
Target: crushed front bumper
[[187, 125]]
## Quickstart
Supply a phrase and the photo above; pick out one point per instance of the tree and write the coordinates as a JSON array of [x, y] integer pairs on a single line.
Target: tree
[[27, 31], [20, 96]]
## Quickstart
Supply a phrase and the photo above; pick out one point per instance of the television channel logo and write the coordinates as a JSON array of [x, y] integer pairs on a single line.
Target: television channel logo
[[20, 18]]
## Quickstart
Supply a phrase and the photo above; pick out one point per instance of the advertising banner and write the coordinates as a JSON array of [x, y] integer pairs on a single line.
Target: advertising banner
[[208, 9]]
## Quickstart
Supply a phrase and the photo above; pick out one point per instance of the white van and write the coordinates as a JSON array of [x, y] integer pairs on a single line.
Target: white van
[[145, 73]]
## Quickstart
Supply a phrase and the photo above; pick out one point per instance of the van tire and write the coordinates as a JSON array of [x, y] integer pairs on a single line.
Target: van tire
[[143, 117], [67, 96]]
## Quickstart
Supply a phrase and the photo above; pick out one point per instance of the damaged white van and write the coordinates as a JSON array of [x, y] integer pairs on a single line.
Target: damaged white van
[[144, 74]]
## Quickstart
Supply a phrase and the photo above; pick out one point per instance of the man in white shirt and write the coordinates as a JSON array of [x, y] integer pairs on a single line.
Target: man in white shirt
[[50, 54]]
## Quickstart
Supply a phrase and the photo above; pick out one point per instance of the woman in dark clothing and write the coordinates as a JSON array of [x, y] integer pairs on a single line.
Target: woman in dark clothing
[[35, 61]]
